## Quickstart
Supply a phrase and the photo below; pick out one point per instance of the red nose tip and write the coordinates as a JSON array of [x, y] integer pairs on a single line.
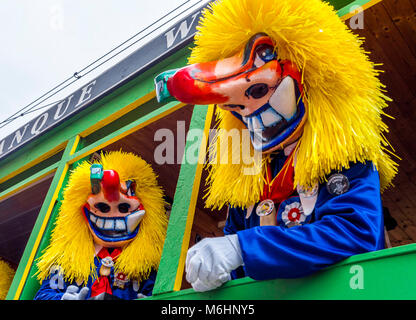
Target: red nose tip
[[185, 86], [111, 185]]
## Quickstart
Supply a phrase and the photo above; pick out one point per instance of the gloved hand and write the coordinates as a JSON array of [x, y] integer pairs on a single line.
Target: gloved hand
[[72, 293], [210, 261]]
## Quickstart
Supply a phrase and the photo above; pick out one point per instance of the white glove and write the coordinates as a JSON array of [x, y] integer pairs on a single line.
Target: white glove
[[72, 293], [210, 261]]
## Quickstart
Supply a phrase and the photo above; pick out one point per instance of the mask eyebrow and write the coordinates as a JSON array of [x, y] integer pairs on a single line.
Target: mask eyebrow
[[249, 46]]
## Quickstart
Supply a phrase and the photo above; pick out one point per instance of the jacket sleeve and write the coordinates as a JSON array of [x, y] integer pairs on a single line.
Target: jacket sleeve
[[146, 287], [345, 225], [52, 288]]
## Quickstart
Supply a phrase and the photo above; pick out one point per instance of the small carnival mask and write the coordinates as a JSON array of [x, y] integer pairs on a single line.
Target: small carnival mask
[[112, 210]]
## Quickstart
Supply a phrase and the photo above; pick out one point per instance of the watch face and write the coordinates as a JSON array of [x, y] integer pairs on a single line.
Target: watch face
[[337, 184], [265, 208]]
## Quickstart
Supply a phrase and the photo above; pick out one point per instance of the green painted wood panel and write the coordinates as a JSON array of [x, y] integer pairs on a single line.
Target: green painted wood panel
[[382, 275], [182, 203], [18, 287]]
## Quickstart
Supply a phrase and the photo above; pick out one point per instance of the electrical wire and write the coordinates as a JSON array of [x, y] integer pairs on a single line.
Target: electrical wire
[[77, 75]]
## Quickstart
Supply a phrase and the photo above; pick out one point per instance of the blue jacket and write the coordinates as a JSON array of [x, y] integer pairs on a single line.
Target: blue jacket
[[340, 226], [54, 287]]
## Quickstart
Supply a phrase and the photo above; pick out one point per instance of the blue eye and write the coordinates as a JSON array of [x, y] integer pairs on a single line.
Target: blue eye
[[266, 53]]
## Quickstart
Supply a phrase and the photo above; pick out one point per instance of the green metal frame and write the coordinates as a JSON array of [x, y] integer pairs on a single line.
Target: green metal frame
[[381, 275], [376, 275]]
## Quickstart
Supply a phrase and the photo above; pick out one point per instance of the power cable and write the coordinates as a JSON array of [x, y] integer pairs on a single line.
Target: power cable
[[77, 74]]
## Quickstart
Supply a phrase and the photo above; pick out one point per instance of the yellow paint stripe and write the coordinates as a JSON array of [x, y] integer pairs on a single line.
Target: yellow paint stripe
[[127, 132], [34, 162], [75, 145], [147, 97], [40, 234], [14, 191], [2, 197], [194, 198], [45, 220], [114, 116], [364, 7]]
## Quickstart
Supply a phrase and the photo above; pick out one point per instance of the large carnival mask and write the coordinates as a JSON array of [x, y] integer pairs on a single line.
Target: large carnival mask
[[260, 90], [112, 210]]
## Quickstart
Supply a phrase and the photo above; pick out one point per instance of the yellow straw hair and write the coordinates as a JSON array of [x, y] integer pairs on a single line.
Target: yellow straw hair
[[343, 96], [72, 246], [6, 278]]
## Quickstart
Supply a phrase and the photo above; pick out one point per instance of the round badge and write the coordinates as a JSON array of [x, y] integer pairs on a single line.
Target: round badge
[[337, 184], [292, 215], [265, 208], [107, 262]]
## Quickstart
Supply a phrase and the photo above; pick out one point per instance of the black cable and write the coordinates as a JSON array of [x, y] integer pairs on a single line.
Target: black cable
[[136, 42], [77, 76], [28, 111], [150, 25]]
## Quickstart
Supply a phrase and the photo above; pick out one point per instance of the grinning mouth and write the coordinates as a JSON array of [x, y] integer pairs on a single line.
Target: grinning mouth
[[115, 228], [273, 122]]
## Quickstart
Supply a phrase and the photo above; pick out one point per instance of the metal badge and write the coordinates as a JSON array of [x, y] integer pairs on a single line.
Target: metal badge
[[337, 184], [120, 280], [265, 208], [106, 265], [293, 215]]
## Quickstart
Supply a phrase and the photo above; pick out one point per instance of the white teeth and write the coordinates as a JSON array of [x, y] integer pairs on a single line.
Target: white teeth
[[250, 124], [93, 218], [120, 225], [100, 223], [257, 125], [270, 117], [109, 224], [129, 224], [283, 99], [134, 219], [257, 143]]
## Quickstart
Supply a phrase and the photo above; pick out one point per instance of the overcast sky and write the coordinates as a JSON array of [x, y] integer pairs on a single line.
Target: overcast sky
[[45, 42]]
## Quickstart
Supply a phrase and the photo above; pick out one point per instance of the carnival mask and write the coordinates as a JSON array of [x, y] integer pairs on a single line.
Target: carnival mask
[[263, 92], [112, 210]]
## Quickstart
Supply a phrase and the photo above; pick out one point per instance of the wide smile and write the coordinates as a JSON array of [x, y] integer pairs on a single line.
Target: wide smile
[[273, 122], [112, 229]]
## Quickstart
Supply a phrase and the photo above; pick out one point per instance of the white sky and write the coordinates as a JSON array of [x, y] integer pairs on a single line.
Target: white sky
[[45, 42]]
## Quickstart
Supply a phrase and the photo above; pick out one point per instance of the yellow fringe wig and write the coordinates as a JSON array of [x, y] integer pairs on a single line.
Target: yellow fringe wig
[[6, 278], [72, 247], [343, 96]]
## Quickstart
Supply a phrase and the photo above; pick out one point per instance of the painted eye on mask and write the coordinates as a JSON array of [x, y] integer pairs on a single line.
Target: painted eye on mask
[[123, 207], [265, 53], [103, 207]]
